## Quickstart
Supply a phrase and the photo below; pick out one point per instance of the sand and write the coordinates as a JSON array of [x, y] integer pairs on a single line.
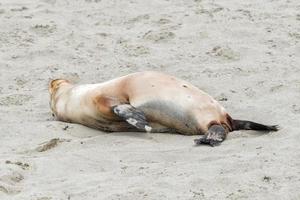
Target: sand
[[246, 54]]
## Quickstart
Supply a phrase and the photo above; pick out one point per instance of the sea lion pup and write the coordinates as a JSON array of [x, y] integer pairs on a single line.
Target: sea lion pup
[[146, 101]]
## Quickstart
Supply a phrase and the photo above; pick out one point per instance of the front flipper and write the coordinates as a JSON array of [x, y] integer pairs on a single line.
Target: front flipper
[[214, 136], [133, 116]]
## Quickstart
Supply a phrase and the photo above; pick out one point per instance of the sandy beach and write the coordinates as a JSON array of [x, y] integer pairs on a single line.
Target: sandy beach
[[246, 54]]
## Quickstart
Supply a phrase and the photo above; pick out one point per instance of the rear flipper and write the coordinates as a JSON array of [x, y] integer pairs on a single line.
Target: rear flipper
[[248, 125], [216, 133], [133, 116], [214, 136]]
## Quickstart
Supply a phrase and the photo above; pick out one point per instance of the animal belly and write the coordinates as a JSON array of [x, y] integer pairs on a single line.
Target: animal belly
[[170, 115]]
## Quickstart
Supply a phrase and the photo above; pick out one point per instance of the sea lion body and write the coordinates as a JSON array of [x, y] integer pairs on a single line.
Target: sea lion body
[[170, 104], [146, 101]]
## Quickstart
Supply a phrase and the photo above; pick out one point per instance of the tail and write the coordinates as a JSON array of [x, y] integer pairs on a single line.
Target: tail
[[248, 125]]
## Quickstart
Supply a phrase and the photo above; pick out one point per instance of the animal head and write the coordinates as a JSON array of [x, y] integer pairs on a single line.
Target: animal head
[[55, 84], [54, 87]]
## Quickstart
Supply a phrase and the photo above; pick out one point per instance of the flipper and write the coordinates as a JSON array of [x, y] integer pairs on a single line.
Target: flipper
[[214, 136], [133, 116], [249, 125]]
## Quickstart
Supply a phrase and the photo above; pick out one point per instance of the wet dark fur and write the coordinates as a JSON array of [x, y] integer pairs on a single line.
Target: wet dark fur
[[249, 125], [214, 136]]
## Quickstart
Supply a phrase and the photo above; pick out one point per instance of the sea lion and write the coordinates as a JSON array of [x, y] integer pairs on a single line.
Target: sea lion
[[146, 101]]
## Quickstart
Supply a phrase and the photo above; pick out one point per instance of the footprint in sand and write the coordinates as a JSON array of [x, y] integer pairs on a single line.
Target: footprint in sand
[[295, 35], [43, 30], [21, 81], [245, 13], [159, 36], [225, 53], [11, 176], [295, 109], [277, 88], [249, 92], [222, 97], [20, 9], [24, 166], [135, 50], [162, 21], [50, 144], [139, 18]]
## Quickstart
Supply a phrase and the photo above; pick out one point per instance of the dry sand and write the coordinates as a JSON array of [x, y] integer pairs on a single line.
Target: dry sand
[[244, 53]]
